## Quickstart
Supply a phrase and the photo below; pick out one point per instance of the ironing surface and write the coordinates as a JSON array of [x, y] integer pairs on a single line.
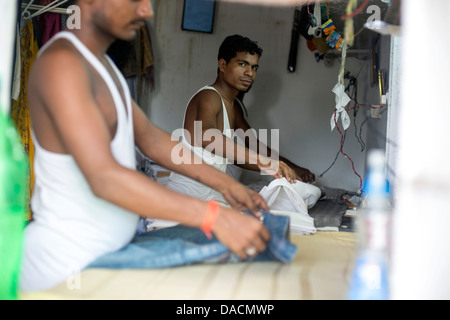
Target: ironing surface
[[321, 270]]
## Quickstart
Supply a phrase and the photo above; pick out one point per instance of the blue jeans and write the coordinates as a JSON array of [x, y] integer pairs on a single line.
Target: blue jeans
[[181, 245]]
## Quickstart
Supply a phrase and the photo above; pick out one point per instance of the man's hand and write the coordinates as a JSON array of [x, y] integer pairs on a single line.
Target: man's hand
[[287, 172], [243, 234], [278, 170], [303, 174], [242, 198]]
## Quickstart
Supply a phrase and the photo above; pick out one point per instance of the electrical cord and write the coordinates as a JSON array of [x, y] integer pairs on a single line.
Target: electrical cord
[[343, 138]]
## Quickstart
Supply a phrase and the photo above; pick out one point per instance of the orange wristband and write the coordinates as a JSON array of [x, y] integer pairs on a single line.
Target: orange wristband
[[212, 211]]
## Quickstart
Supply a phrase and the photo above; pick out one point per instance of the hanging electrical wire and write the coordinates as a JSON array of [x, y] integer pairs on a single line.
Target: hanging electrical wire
[[342, 142], [357, 11]]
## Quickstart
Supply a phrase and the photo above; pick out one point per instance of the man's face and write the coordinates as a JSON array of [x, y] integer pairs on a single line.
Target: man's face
[[122, 18], [240, 72]]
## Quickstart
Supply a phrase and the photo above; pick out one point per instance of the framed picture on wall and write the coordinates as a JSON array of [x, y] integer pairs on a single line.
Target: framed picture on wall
[[198, 15]]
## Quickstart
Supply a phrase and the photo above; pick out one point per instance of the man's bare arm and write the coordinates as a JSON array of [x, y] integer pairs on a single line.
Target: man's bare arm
[[207, 109], [158, 145]]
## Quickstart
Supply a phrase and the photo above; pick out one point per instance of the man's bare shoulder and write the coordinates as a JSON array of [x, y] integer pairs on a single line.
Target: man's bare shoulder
[[60, 58], [59, 68], [207, 98]]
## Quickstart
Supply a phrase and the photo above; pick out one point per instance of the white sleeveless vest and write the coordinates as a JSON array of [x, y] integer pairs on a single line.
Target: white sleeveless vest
[[71, 226], [185, 185]]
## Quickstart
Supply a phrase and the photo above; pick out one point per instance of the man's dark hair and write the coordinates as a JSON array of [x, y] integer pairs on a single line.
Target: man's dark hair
[[237, 43]]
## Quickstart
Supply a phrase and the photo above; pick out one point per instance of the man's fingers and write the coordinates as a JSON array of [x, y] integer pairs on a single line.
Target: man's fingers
[[258, 245], [259, 202]]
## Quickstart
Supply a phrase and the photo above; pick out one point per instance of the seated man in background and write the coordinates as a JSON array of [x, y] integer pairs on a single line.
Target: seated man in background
[[213, 111]]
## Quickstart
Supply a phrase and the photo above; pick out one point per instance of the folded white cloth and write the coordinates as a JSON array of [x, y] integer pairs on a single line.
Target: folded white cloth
[[285, 196], [293, 200], [299, 224]]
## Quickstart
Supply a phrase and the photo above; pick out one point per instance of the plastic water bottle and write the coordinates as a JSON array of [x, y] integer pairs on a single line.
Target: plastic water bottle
[[13, 164], [370, 280]]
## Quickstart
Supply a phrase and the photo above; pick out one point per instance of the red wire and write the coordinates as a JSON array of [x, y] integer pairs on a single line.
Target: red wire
[[342, 138], [302, 3], [357, 11], [344, 154]]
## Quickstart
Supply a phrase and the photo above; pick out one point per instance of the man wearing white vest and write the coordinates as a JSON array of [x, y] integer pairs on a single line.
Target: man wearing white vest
[[88, 196], [215, 111]]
